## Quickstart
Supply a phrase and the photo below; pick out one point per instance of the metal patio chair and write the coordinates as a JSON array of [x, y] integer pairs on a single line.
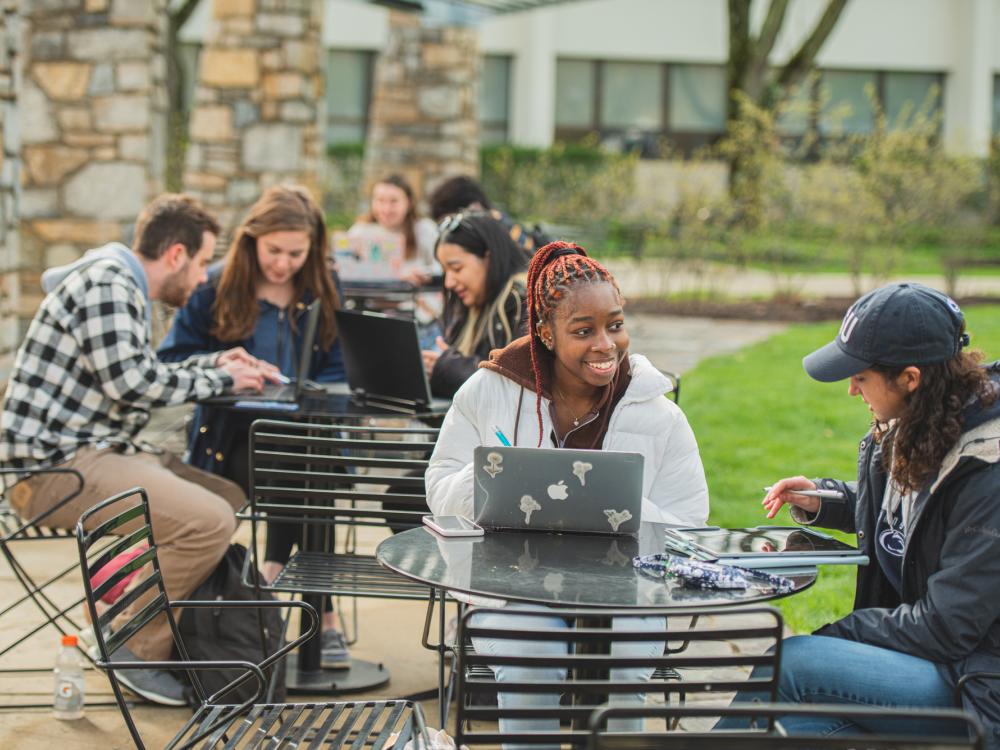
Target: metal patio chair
[[215, 724], [765, 732], [729, 639], [40, 606]]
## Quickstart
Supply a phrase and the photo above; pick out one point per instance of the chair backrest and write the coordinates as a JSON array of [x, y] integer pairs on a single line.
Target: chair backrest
[[941, 729], [121, 524], [603, 656], [331, 474]]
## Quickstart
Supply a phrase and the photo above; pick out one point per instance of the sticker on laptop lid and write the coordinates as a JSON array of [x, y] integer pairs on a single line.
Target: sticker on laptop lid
[[528, 506], [580, 469], [494, 464], [617, 517]]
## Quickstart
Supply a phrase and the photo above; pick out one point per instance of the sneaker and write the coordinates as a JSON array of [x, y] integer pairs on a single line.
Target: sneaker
[[155, 685], [333, 650]]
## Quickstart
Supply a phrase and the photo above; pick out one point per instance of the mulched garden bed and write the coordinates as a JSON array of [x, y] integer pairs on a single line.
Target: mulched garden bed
[[792, 310]]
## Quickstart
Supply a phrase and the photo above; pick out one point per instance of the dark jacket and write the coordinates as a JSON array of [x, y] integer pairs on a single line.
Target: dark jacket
[[948, 611], [215, 432], [504, 324]]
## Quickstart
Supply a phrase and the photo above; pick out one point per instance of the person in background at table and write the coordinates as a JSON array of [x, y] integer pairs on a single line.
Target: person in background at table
[[570, 383], [463, 193], [394, 209], [255, 298], [484, 281], [926, 511]]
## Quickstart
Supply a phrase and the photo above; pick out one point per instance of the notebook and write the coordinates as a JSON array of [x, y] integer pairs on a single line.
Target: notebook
[[383, 361], [558, 489], [291, 393], [764, 546]]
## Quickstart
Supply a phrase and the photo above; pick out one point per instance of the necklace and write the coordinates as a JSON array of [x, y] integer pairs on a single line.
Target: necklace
[[576, 419]]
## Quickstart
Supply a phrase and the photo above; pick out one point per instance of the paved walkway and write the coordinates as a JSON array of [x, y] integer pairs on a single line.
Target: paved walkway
[[389, 630]]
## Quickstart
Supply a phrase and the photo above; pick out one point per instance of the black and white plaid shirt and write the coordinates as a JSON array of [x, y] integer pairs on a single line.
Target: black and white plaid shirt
[[86, 372]]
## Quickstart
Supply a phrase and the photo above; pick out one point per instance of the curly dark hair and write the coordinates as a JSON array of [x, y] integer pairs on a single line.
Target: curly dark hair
[[934, 416]]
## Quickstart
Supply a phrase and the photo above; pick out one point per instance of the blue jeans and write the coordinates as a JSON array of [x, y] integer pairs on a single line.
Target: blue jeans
[[502, 647], [820, 670]]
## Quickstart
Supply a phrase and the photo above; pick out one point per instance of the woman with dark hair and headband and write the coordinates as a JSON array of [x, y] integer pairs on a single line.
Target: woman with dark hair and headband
[[484, 282], [926, 511]]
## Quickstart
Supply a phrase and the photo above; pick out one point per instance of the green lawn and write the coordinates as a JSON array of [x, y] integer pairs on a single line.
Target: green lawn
[[758, 417]]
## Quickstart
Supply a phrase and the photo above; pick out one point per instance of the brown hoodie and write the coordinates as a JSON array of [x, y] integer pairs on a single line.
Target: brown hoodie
[[514, 363]]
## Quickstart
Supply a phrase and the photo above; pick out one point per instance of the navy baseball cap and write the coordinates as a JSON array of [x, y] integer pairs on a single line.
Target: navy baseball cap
[[896, 325]]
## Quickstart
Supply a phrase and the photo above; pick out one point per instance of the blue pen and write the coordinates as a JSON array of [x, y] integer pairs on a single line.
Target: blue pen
[[503, 438]]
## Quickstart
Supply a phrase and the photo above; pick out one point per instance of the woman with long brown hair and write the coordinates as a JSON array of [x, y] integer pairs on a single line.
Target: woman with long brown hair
[[277, 263], [926, 510]]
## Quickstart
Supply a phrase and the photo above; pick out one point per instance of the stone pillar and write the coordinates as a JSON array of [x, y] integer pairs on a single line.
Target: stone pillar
[[256, 115], [93, 126], [423, 121], [9, 180]]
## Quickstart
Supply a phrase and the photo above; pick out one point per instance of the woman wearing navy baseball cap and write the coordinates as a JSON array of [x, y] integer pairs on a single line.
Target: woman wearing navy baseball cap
[[926, 511]]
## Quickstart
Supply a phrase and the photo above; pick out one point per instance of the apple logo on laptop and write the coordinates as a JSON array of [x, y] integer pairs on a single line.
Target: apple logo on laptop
[[558, 491]]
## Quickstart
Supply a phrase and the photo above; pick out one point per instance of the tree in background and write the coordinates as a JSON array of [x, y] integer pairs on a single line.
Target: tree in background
[[750, 77], [177, 117]]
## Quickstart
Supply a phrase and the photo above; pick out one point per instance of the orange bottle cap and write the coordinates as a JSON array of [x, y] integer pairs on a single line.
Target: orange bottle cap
[[69, 640]]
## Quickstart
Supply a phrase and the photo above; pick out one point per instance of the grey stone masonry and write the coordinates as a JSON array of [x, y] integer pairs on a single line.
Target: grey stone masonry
[[93, 126], [256, 116], [9, 180], [423, 121]]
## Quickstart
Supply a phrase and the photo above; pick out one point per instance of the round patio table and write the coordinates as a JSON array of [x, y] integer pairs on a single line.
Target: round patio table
[[538, 567], [573, 570]]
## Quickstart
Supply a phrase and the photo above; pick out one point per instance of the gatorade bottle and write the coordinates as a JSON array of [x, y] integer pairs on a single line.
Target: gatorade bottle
[[67, 700]]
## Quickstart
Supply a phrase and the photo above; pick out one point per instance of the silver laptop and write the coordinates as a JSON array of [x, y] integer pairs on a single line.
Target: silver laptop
[[383, 362], [558, 489]]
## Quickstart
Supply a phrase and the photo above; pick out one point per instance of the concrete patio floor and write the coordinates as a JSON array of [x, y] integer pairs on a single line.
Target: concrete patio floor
[[389, 630]]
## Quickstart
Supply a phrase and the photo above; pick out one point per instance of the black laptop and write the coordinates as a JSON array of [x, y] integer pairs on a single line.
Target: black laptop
[[383, 362], [291, 393]]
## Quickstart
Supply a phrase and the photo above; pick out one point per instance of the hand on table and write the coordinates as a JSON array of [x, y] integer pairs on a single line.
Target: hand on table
[[783, 492], [417, 278], [248, 372], [431, 357]]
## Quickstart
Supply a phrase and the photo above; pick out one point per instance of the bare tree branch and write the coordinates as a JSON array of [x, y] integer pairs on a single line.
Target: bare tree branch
[[803, 60], [769, 31]]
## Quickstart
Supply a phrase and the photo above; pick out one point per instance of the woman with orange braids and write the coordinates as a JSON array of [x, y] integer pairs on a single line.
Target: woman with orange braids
[[570, 383]]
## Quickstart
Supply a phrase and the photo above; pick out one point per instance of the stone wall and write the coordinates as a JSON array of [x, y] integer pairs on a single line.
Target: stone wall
[[423, 121], [9, 177], [255, 120], [93, 114]]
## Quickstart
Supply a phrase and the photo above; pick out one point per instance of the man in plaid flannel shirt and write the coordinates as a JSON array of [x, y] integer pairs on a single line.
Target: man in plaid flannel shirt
[[83, 383]]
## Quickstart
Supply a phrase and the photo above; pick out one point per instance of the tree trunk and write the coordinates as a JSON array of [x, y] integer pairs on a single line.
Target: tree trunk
[[177, 117]]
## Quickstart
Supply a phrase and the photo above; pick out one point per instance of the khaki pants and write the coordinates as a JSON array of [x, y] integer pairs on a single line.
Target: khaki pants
[[192, 513]]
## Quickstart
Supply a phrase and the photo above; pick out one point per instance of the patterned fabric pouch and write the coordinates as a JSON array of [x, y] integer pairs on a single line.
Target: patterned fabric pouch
[[711, 576]]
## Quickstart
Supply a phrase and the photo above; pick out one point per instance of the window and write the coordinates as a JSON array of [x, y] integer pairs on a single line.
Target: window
[[639, 104], [846, 106], [698, 98], [906, 94], [348, 87], [575, 85], [494, 99], [840, 102], [632, 96]]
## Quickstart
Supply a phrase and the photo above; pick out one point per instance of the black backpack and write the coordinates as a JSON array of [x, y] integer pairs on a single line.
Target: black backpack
[[224, 634]]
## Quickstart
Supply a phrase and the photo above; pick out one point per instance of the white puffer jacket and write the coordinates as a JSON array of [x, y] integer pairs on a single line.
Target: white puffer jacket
[[644, 421]]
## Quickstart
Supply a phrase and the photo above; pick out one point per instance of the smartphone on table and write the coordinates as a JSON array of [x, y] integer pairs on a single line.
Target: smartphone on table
[[453, 526]]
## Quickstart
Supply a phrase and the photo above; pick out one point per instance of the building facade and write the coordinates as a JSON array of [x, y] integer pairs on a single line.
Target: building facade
[[650, 69]]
